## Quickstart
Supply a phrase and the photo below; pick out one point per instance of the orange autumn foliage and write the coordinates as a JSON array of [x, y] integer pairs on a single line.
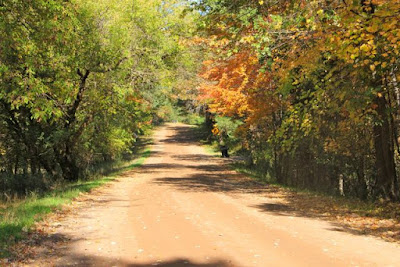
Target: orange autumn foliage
[[236, 87]]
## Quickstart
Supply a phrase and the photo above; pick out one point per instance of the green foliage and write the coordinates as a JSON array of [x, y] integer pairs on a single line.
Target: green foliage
[[81, 80], [194, 119], [228, 126]]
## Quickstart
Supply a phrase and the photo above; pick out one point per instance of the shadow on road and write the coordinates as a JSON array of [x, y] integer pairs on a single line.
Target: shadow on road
[[185, 135], [204, 173], [82, 260], [214, 175], [57, 246]]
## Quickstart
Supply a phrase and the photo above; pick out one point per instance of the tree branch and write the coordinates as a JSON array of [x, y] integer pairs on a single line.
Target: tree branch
[[71, 114]]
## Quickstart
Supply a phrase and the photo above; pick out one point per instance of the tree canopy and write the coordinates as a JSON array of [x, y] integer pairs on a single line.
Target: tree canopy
[[80, 80], [311, 87], [316, 83]]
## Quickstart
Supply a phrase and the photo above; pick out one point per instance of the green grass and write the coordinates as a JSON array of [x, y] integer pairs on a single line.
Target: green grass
[[135, 164], [212, 149], [17, 218], [250, 171]]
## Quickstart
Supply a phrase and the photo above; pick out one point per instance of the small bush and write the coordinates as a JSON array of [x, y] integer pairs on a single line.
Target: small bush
[[193, 119]]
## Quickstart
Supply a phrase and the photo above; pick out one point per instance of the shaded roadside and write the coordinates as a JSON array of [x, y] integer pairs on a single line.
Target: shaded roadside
[[380, 219]]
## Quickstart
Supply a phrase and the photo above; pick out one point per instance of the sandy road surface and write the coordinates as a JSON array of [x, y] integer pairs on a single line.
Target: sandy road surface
[[184, 208]]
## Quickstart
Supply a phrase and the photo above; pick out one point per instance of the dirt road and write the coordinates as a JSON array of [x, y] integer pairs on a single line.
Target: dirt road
[[185, 208]]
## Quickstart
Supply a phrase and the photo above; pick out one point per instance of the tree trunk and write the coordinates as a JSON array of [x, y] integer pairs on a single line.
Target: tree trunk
[[386, 180], [362, 190], [70, 170], [16, 164]]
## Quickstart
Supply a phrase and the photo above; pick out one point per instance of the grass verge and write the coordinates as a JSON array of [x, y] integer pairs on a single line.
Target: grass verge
[[17, 218]]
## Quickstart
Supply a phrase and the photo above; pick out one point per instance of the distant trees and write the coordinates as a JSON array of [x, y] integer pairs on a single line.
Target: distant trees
[[316, 83]]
